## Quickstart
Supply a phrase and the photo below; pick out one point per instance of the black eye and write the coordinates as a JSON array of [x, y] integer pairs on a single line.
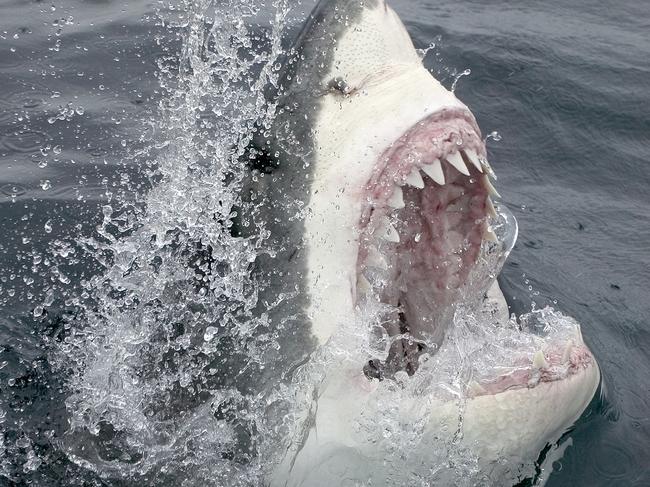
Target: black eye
[[338, 84]]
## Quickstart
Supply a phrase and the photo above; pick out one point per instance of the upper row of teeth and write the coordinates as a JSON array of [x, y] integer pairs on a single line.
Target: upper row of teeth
[[435, 172]]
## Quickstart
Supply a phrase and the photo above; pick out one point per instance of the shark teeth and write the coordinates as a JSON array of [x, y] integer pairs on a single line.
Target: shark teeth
[[434, 171], [456, 160], [539, 361], [491, 211], [363, 286], [566, 354], [577, 333], [472, 156], [387, 231], [396, 199], [488, 169], [489, 235], [376, 259], [490, 189], [414, 179]]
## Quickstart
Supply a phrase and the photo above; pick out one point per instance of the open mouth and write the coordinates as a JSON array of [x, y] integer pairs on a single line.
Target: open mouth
[[428, 213]]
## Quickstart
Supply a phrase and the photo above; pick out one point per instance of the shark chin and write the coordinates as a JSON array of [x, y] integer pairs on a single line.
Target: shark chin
[[389, 172]]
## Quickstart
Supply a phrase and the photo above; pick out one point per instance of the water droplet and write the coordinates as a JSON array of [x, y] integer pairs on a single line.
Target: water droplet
[[496, 136], [45, 184], [210, 333], [467, 72], [31, 103], [48, 226]]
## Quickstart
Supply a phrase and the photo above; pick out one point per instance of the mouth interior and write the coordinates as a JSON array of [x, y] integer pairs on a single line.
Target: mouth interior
[[428, 214], [427, 223]]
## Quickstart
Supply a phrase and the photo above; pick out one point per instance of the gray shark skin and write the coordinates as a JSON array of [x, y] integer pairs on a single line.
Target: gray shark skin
[[282, 158]]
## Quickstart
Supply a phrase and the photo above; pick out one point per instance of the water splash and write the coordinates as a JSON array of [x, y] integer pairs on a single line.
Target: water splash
[[148, 399]]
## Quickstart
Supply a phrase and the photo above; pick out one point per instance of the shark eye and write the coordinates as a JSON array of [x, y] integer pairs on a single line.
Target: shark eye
[[340, 85]]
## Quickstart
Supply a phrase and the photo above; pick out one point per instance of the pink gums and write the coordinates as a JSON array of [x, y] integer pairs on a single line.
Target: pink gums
[[558, 367]]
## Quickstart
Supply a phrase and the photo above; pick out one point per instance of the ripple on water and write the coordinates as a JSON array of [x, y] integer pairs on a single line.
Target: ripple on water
[[636, 406], [612, 461], [25, 140], [21, 97], [13, 190]]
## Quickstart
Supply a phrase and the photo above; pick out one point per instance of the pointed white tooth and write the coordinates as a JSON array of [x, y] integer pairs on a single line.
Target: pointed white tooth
[[539, 361], [387, 231], [473, 158], [489, 235], [566, 355], [578, 334], [456, 160], [475, 389], [363, 286], [396, 199], [391, 234], [434, 171], [488, 185], [488, 169], [414, 179], [491, 211], [376, 259]]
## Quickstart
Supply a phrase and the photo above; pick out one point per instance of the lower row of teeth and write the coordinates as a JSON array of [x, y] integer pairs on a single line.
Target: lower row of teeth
[[538, 363]]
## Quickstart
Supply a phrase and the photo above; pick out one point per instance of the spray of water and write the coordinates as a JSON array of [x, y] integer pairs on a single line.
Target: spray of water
[[147, 394]]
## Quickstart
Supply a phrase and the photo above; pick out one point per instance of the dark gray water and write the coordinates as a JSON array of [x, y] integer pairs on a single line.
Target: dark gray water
[[565, 85]]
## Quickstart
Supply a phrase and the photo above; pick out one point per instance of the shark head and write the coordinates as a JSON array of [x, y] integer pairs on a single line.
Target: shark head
[[390, 173], [399, 194]]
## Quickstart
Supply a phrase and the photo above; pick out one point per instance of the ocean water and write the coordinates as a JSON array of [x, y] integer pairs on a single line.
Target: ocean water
[[117, 127]]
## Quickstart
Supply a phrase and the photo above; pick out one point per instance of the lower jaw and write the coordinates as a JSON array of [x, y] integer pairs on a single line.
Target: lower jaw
[[402, 429], [555, 358]]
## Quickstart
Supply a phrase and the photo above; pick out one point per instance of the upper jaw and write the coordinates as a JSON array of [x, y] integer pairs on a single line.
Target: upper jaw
[[355, 136]]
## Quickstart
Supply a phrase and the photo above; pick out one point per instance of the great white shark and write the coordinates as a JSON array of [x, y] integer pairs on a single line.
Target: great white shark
[[374, 186]]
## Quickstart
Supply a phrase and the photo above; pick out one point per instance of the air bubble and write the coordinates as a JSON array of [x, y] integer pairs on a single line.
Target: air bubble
[[494, 135]]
